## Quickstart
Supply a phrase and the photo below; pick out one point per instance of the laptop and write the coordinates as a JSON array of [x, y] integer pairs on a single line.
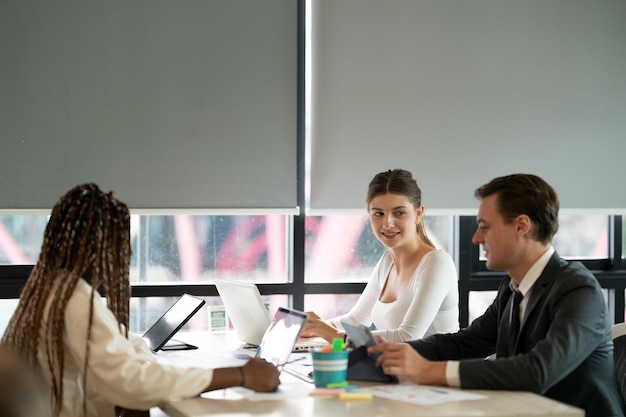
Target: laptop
[[281, 335], [245, 309], [249, 315], [159, 335], [278, 341]]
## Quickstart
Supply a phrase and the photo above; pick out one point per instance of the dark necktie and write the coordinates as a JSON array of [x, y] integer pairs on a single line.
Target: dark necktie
[[515, 321]]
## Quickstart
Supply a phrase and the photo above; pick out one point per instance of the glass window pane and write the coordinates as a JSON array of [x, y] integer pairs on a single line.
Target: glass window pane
[[344, 248], [478, 302], [580, 236], [20, 238], [329, 305], [201, 248], [624, 236], [176, 248], [7, 307]]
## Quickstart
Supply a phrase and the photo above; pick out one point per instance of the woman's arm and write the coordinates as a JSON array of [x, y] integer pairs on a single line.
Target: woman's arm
[[134, 379]]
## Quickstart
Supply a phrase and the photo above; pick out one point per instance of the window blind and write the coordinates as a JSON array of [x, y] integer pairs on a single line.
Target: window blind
[[460, 92], [174, 105]]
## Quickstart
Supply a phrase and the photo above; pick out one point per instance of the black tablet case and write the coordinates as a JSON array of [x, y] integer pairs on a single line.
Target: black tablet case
[[362, 367]]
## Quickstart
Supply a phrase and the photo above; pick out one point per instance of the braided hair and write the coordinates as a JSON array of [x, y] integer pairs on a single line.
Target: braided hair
[[87, 237]]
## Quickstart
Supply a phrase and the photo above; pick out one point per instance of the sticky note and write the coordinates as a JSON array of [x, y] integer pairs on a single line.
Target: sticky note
[[337, 384], [327, 392], [355, 396]]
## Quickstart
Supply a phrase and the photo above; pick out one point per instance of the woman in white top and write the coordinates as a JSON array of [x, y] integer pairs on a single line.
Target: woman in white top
[[93, 367], [413, 291]]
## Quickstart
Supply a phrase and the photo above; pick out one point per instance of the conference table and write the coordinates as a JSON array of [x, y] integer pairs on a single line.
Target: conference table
[[296, 397]]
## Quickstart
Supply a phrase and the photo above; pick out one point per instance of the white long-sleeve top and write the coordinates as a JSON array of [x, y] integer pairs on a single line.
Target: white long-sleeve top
[[121, 371], [429, 304]]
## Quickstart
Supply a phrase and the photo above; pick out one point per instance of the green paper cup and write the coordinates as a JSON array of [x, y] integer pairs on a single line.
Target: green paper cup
[[329, 367]]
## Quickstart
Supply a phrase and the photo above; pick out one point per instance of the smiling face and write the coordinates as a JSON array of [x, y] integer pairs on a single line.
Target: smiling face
[[393, 219], [500, 240]]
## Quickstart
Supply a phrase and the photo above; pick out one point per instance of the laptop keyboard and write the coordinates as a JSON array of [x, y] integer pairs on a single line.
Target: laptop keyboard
[[300, 370], [299, 364]]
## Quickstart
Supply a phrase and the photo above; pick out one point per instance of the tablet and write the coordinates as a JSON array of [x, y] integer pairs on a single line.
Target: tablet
[[359, 335], [172, 321]]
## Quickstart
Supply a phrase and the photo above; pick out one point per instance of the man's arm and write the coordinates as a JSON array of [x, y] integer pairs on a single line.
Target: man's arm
[[402, 360], [425, 361], [561, 333]]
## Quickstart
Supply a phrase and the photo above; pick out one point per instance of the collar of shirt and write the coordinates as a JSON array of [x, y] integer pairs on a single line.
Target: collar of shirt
[[531, 277]]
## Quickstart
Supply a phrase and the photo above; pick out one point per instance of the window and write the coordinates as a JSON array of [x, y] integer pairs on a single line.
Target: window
[[623, 236], [340, 253], [20, 238], [344, 248], [190, 249], [178, 249], [581, 237], [301, 260]]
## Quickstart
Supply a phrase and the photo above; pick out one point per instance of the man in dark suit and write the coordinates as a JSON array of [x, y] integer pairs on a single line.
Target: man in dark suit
[[557, 342]]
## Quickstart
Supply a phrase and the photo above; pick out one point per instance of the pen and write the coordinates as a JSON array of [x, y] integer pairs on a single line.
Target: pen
[[439, 391], [292, 361]]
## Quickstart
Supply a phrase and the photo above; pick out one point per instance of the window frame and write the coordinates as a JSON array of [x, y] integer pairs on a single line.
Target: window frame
[[473, 274]]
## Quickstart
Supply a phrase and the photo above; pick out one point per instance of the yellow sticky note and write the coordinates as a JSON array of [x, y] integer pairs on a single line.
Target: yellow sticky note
[[355, 396]]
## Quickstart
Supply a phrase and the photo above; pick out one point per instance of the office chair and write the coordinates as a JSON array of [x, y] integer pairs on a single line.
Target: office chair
[[619, 355]]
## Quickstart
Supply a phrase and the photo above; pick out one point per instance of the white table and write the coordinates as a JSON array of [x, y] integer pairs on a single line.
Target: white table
[[297, 402]]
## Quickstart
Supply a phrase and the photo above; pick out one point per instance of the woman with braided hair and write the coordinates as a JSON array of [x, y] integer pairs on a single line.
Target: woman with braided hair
[[91, 363]]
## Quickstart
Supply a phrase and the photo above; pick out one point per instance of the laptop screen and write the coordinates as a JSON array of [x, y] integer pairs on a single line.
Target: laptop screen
[[245, 309], [281, 336], [172, 321]]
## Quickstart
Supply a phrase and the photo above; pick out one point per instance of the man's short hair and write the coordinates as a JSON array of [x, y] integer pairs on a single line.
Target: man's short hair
[[525, 194]]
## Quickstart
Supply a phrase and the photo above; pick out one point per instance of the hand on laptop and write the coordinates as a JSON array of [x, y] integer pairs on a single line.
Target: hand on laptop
[[257, 374], [260, 375], [315, 326]]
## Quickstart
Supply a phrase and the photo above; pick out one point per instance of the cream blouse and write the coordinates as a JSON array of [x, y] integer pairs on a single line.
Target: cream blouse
[[121, 371]]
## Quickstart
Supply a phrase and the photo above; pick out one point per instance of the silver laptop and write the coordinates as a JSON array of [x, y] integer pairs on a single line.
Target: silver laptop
[[281, 336], [279, 341], [249, 315]]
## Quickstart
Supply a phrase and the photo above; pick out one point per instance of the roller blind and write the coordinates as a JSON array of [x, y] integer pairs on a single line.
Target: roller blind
[[186, 104], [460, 92]]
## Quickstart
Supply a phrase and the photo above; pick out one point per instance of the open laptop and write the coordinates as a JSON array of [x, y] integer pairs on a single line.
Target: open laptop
[[278, 341], [249, 315], [161, 332], [281, 335]]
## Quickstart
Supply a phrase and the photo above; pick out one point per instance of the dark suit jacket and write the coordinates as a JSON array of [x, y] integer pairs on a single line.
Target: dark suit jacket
[[564, 350]]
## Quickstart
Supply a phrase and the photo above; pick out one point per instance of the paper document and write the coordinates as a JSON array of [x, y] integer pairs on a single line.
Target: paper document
[[197, 359], [284, 392], [421, 394]]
